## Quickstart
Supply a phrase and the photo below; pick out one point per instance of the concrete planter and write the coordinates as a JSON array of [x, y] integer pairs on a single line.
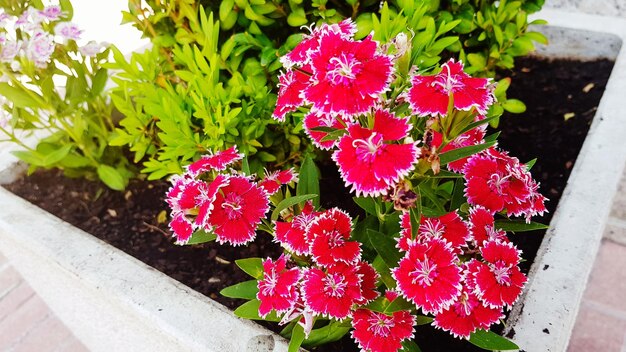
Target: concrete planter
[[112, 301]]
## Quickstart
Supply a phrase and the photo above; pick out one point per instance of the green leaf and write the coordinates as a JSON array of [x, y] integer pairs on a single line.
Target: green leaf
[[111, 177], [334, 331], [366, 203], [297, 337], [245, 290], [55, 156], [423, 320], [530, 164], [491, 341], [538, 37], [250, 310], [410, 346], [463, 152], [385, 272], [289, 202], [19, 97], [201, 236], [30, 157], [519, 225], [251, 266], [99, 82], [66, 6], [385, 246], [397, 305], [514, 106], [309, 182]]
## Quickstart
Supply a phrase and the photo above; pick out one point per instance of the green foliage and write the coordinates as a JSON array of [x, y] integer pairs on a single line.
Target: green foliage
[[73, 124]]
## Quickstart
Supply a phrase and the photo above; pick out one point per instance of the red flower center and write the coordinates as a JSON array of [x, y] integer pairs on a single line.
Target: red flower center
[[380, 324], [335, 285], [366, 150], [502, 273], [269, 283], [447, 82], [343, 69], [497, 182], [432, 228], [232, 206], [424, 273]]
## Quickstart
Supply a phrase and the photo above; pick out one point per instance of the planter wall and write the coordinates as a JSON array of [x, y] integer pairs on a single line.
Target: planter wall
[[112, 301], [544, 318]]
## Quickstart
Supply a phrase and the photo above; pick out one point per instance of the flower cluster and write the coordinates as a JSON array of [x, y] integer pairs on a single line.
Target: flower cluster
[[333, 285], [454, 262], [35, 34], [230, 205]]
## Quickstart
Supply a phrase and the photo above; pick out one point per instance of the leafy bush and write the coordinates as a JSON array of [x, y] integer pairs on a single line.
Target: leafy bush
[[39, 52]]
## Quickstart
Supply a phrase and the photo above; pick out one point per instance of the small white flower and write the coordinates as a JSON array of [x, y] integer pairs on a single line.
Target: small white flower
[[92, 48], [9, 50], [68, 30], [39, 48]]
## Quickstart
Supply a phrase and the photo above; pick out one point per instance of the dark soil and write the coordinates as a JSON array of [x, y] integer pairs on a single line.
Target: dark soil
[[128, 220]]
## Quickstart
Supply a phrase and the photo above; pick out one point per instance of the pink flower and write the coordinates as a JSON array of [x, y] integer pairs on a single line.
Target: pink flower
[[68, 31], [92, 48], [406, 232], [466, 315], [472, 137], [368, 159], [429, 95], [300, 54], [498, 281], [237, 211], [378, 332], [39, 49], [449, 227], [497, 181], [313, 120], [272, 181], [278, 290], [214, 162], [9, 50], [329, 236], [482, 226], [348, 76], [369, 281], [53, 12], [428, 275], [292, 235], [332, 293], [206, 199], [291, 84], [30, 20], [182, 198], [181, 227]]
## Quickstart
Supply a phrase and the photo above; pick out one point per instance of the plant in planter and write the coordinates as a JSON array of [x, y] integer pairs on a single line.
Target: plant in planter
[[437, 197], [39, 51]]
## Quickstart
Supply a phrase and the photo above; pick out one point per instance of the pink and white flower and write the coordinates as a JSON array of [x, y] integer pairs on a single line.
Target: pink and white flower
[[292, 235], [498, 281], [310, 42], [333, 291], [313, 120], [369, 281], [53, 12], [68, 31], [291, 84], [214, 162], [278, 290], [449, 227], [9, 50], [237, 211], [466, 315], [472, 137], [429, 95], [429, 276], [379, 332], [482, 226], [39, 48], [348, 76], [92, 48], [329, 236], [272, 181], [497, 181], [372, 160], [406, 239]]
